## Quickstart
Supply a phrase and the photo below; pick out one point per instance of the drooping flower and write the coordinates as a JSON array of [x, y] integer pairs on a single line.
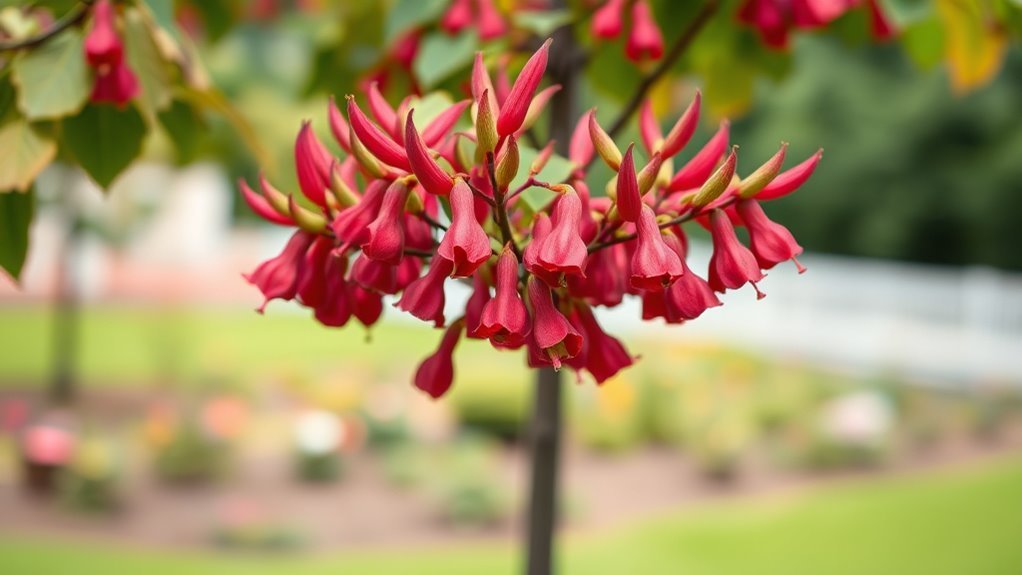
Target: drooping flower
[[689, 296], [465, 244], [116, 84], [352, 225], [645, 41], [606, 355], [311, 281], [475, 305], [387, 232], [103, 46], [277, 278], [541, 227], [505, 320], [776, 18], [608, 20], [563, 251], [770, 242], [436, 373], [555, 337], [457, 17], [336, 306], [366, 305], [491, 24], [732, 265], [424, 297], [654, 265], [629, 199], [375, 275]]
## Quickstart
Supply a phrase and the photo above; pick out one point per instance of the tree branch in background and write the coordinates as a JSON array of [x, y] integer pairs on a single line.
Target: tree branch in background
[[675, 52], [76, 15]]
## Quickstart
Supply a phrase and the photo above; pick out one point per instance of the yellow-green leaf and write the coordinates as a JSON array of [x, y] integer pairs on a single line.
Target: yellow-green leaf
[[147, 63], [53, 80], [25, 154], [975, 46]]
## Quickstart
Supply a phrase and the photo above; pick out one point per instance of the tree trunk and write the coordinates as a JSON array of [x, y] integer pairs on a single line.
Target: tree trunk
[[545, 437], [65, 322]]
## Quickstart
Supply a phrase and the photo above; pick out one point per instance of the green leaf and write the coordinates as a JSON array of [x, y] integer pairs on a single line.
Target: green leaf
[[557, 170], [15, 217], [53, 80], [924, 43], [25, 153], [440, 56], [542, 22], [429, 107], [184, 125], [104, 140], [407, 14], [147, 63]]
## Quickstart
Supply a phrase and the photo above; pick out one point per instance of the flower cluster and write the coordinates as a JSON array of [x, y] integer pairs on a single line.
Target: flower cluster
[[645, 41], [104, 52], [776, 18], [414, 205]]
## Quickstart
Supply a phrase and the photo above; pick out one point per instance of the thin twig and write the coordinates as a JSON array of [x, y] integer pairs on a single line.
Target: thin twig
[[418, 253], [499, 209], [76, 15], [426, 218], [670, 58]]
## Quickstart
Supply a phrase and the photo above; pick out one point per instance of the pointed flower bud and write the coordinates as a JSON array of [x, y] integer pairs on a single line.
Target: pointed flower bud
[[342, 192], [277, 278], [541, 159], [424, 297], [516, 105], [649, 128], [486, 124], [442, 125], [606, 355], [654, 265], [555, 336], [457, 17], [536, 107], [379, 144], [351, 226], [262, 207], [432, 177], [683, 129], [505, 321], [339, 126], [628, 197], [717, 183], [482, 84], [305, 219], [699, 168], [563, 251], [312, 164], [436, 373], [385, 115], [790, 180], [648, 175], [645, 41], [608, 20], [603, 143], [491, 24], [732, 265], [465, 243], [756, 181], [771, 242], [387, 233], [507, 167], [580, 152]]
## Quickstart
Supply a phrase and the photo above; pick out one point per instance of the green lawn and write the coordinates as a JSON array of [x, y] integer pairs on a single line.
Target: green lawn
[[966, 522]]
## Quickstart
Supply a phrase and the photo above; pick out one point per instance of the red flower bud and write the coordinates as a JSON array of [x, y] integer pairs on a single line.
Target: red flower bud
[[376, 140], [385, 115], [339, 126], [336, 307], [516, 106], [683, 129], [606, 355], [771, 242], [649, 128], [482, 85], [580, 152], [312, 164], [432, 177], [262, 207], [366, 305], [629, 200], [607, 21], [654, 265], [457, 17], [444, 122], [475, 306], [505, 321], [374, 275], [277, 278], [406, 48], [698, 169], [465, 243], [732, 265], [351, 226], [116, 84], [645, 40], [554, 334], [103, 47], [436, 373], [387, 233], [491, 24], [424, 298], [790, 180], [563, 251]]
